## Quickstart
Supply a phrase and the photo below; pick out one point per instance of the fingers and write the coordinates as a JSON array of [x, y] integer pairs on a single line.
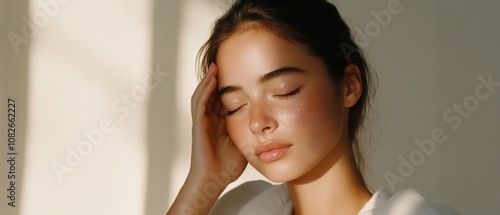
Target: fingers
[[204, 91], [214, 103], [221, 126], [217, 107]]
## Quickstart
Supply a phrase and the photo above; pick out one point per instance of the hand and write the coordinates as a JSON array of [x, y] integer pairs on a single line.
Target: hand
[[213, 151], [214, 159]]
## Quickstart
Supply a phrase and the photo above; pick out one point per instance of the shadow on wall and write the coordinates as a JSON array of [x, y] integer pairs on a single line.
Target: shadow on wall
[[14, 68], [161, 129]]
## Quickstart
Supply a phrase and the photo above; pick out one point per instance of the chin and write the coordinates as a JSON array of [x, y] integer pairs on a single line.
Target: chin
[[278, 178], [279, 171]]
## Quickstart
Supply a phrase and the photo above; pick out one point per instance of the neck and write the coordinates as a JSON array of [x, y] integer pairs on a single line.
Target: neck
[[334, 186]]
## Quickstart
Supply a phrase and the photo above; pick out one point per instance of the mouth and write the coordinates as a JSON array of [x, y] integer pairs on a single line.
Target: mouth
[[272, 151]]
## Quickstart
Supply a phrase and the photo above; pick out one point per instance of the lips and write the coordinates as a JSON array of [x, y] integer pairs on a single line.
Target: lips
[[272, 151]]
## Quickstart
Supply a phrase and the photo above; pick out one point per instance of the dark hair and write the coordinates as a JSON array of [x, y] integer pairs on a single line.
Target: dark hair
[[318, 26]]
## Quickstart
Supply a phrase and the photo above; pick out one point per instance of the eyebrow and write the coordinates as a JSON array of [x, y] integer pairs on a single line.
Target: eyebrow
[[264, 78]]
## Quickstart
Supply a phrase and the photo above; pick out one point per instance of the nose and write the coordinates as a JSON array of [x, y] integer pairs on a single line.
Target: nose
[[262, 120]]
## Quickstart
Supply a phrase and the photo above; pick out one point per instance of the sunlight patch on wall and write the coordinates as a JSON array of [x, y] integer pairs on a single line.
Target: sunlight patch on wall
[[89, 77]]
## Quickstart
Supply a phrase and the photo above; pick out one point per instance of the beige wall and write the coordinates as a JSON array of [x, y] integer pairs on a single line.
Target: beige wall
[[430, 58], [120, 136]]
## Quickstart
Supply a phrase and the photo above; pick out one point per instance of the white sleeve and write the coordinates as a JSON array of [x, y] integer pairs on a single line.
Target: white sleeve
[[408, 202], [232, 202]]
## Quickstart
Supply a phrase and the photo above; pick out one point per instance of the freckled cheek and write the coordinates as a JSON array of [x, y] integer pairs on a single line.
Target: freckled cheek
[[239, 132], [297, 114], [311, 119]]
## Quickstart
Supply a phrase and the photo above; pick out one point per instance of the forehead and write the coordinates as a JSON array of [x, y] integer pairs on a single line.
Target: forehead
[[248, 54]]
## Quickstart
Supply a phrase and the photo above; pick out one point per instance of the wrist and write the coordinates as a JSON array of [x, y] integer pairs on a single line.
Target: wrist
[[200, 192], [209, 183], [222, 178]]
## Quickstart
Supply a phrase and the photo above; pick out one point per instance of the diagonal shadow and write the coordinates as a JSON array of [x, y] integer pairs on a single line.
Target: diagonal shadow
[[162, 110], [14, 84]]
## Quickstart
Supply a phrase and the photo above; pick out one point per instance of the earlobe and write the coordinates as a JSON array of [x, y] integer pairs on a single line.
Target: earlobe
[[351, 85]]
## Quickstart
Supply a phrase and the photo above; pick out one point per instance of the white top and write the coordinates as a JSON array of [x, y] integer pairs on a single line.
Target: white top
[[262, 198]]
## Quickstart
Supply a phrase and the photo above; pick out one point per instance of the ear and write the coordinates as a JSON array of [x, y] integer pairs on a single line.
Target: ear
[[351, 85]]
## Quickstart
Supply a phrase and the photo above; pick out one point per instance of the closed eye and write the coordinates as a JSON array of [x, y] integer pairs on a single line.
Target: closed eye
[[288, 94], [231, 112]]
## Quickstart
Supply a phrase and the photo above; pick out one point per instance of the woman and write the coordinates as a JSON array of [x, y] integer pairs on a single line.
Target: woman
[[285, 88]]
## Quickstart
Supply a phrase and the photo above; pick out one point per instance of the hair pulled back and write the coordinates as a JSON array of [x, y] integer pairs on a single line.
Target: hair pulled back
[[318, 26]]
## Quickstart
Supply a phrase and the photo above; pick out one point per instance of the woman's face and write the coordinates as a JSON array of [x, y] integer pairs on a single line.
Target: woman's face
[[282, 110]]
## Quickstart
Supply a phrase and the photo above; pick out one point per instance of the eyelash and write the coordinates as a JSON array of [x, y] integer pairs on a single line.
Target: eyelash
[[286, 95], [231, 112]]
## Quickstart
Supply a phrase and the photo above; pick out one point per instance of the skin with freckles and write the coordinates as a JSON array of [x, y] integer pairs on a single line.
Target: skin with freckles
[[266, 91], [298, 107], [265, 99], [274, 91]]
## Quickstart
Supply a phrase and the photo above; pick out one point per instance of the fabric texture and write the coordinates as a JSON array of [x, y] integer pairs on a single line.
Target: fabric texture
[[262, 198]]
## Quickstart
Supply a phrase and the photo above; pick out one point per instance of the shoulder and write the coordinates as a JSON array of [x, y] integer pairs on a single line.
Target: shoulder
[[408, 201], [254, 197], [235, 199]]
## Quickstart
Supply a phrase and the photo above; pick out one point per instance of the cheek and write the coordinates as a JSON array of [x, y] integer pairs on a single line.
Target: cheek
[[317, 119], [238, 133], [234, 129], [308, 113], [294, 116]]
